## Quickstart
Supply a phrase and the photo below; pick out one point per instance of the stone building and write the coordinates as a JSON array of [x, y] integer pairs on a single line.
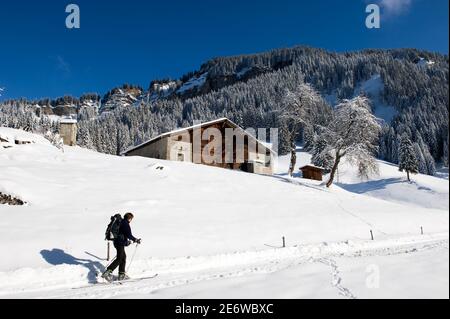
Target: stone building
[[68, 131]]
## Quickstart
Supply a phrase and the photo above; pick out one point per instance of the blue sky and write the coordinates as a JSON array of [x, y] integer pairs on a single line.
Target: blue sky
[[136, 41]]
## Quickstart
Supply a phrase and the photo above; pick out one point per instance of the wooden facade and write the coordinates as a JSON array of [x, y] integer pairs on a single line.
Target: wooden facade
[[180, 145], [312, 172]]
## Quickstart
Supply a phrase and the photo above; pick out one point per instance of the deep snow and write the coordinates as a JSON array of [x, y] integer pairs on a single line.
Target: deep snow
[[189, 216], [373, 88]]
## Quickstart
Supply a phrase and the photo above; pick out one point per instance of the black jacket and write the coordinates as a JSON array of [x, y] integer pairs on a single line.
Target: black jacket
[[125, 234]]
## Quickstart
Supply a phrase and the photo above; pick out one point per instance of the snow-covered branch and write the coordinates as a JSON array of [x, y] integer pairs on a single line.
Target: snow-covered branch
[[353, 133], [296, 111]]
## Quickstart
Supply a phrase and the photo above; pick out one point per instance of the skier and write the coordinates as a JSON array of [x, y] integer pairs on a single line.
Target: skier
[[124, 239]]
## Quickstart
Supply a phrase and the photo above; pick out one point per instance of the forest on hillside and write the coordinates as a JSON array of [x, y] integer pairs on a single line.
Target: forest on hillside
[[251, 89]]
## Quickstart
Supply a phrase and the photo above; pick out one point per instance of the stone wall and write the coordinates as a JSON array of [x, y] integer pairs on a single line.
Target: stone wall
[[157, 149], [68, 132]]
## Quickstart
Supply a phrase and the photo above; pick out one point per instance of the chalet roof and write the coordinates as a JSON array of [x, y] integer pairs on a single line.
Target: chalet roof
[[178, 131], [312, 166]]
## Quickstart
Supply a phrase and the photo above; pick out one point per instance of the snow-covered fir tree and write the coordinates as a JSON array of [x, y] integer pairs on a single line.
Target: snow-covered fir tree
[[420, 158], [419, 96], [445, 154], [84, 137], [55, 139], [407, 157]]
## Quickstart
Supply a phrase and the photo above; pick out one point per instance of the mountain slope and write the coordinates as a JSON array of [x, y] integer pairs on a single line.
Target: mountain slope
[[410, 96], [183, 211]]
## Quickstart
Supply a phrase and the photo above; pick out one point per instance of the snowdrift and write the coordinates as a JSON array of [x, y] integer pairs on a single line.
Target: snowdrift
[[186, 211]]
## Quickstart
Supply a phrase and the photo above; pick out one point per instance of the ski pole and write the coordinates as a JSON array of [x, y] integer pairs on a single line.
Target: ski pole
[[109, 264], [132, 258]]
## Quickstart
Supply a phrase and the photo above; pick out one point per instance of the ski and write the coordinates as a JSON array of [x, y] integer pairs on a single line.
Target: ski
[[133, 280], [116, 282]]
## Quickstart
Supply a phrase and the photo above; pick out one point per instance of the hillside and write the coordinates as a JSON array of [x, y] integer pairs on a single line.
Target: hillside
[[200, 224], [408, 90]]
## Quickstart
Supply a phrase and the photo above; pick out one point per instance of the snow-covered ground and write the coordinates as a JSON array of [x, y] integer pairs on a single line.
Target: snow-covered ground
[[389, 185], [193, 83], [208, 229], [373, 88]]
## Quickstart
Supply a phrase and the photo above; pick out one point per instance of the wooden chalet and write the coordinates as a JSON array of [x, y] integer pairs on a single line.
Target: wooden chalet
[[182, 146]]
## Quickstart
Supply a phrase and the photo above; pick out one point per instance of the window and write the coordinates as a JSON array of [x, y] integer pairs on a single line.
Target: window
[[180, 157], [268, 161]]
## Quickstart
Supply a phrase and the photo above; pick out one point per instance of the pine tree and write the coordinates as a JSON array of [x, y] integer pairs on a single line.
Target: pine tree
[[407, 158], [430, 163], [84, 138], [420, 158], [55, 139], [445, 156], [419, 96]]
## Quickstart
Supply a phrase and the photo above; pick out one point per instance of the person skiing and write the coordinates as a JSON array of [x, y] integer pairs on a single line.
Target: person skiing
[[124, 239]]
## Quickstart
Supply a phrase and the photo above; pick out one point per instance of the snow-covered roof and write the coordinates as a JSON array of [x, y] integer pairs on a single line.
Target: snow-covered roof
[[19, 137], [312, 166], [4, 138], [175, 132], [68, 121]]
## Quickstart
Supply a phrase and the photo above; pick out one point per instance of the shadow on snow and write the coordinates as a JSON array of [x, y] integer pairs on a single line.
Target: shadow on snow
[[369, 186], [60, 257]]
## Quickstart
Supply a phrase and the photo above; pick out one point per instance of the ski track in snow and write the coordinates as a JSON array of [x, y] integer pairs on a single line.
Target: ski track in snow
[[345, 210], [190, 270]]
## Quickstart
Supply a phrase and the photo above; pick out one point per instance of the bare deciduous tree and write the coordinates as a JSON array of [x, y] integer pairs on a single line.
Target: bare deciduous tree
[[353, 133], [297, 107]]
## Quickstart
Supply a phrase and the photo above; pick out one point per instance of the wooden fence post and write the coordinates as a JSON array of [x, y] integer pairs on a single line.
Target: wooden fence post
[[284, 242], [371, 234]]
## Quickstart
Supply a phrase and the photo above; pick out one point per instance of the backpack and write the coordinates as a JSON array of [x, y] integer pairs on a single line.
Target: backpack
[[112, 231]]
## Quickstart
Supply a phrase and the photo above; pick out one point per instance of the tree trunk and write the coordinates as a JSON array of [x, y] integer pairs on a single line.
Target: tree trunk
[[333, 171], [407, 174], [293, 158]]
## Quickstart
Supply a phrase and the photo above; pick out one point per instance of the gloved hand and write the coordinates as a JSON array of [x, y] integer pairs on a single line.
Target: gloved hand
[[138, 241]]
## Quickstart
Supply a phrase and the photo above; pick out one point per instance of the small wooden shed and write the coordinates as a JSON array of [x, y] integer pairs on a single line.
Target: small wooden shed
[[312, 172], [22, 141]]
